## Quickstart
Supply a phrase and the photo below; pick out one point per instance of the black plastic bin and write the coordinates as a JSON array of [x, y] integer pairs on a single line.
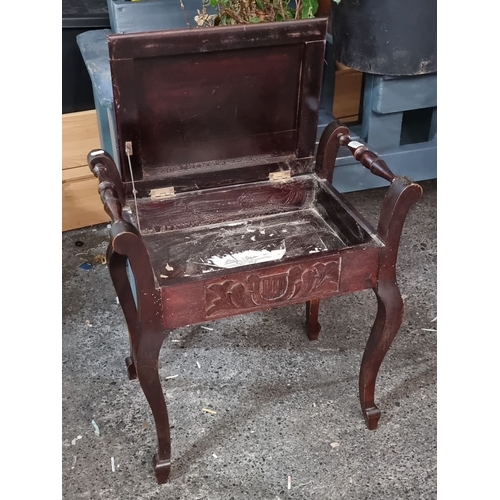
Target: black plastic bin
[[386, 37], [79, 16]]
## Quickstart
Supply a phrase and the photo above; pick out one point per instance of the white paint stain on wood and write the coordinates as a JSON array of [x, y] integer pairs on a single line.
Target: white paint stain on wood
[[247, 257]]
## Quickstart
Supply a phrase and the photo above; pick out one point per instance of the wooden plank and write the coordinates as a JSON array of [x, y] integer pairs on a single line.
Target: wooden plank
[[347, 94], [80, 134], [81, 203], [79, 173]]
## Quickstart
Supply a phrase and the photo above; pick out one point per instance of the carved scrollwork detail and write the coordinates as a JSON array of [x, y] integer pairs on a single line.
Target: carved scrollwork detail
[[268, 289]]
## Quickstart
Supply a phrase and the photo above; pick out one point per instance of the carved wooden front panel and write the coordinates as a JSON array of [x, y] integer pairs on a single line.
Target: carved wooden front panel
[[270, 288]]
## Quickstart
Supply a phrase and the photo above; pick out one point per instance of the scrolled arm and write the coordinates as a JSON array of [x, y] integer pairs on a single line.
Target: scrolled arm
[[336, 135], [401, 195], [328, 148], [126, 245]]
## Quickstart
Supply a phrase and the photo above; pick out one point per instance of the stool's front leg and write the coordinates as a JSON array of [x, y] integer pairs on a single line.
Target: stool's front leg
[[401, 196], [144, 318], [387, 323], [147, 340], [146, 354]]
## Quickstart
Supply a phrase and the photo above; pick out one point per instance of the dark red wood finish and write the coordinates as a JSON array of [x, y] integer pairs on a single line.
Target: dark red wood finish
[[178, 108], [217, 99]]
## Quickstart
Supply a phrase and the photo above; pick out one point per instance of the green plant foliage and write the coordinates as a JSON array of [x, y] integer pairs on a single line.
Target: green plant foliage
[[231, 12]]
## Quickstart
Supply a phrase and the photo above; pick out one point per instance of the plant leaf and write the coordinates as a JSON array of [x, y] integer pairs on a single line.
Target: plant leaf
[[309, 8]]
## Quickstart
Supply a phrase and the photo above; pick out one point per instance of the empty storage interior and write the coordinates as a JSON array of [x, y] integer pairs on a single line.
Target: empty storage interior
[[205, 232]]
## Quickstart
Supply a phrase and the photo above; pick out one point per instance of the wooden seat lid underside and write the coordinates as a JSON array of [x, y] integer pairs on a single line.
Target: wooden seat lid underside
[[183, 124]]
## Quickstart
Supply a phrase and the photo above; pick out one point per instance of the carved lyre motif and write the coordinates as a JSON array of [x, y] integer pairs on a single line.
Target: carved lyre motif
[[272, 289]]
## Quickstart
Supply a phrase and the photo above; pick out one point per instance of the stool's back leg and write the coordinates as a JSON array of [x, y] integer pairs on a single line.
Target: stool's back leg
[[117, 265], [312, 324]]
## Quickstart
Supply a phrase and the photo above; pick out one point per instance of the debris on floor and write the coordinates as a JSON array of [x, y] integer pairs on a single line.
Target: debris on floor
[[73, 441], [208, 410], [100, 259], [304, 484], [96, 428], [334, 445]]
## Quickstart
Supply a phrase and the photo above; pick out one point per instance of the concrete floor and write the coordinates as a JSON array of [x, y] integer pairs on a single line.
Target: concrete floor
[[281, 400]]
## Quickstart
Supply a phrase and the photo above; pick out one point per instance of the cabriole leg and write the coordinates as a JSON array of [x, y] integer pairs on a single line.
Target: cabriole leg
[[146, 363], [387, 323]]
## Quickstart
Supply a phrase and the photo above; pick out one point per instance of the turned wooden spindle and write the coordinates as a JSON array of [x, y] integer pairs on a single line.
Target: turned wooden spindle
[[110, 200], [105, 169], [367, 158], [110, 184], [335, 135]]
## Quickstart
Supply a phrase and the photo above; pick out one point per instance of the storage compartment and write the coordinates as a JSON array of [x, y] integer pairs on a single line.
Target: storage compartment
[[195, 234]]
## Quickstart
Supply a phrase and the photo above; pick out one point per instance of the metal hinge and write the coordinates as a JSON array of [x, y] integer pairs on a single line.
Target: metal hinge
[[162, 193], [281, 175]]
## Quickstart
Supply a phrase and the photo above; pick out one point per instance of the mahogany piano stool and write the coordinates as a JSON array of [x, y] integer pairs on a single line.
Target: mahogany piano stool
[[220, 205]]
